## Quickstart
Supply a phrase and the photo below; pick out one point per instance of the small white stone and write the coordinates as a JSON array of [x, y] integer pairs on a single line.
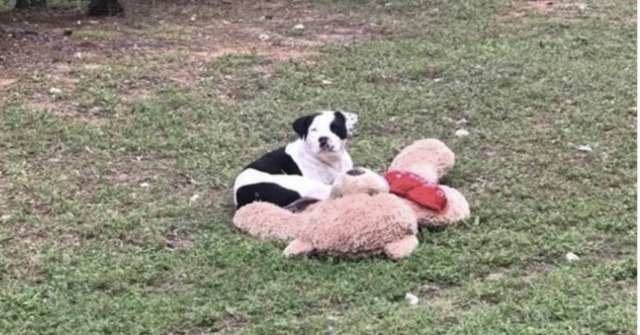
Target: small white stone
[[585, 148], [5, 218], [437, 80], [327, 82], [462, 121], [582, 6], [461, 133], [411, 299], [55, 90], [571, 257], [144, 185], [299, 26], [193, 18], [194, 198], [263, 37]]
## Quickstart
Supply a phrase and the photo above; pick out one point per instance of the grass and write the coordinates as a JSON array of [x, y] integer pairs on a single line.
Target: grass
[[101, 232]]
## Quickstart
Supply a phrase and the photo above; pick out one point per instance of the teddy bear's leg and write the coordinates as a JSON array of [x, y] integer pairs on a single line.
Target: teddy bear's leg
[[401, 248], [297, 247], [429, 158], [267, 220]]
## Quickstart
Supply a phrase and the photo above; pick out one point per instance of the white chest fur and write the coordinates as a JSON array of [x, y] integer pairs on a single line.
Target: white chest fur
[[323, 169]]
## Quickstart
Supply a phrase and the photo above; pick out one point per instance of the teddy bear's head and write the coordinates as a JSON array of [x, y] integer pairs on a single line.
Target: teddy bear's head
[[359, 180]]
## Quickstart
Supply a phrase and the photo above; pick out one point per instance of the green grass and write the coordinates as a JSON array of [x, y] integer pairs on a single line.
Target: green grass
[[93, 34], [100, 235]]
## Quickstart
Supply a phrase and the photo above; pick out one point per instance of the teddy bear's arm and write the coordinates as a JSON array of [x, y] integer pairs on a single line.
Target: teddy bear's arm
[[402, 247]]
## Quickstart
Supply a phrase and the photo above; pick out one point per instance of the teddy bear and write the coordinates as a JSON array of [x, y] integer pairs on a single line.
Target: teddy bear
[[366, 210], [361, 218], [419, 167]]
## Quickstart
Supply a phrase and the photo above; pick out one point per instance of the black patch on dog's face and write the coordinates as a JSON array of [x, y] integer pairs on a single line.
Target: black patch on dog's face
[[339, 125], [302, 124]]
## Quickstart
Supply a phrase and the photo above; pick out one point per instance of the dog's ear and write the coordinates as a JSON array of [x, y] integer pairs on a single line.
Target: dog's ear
[[350, 120], [301, 125]]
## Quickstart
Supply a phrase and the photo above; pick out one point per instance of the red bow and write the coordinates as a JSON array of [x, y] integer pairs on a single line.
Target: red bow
[[413, 187]]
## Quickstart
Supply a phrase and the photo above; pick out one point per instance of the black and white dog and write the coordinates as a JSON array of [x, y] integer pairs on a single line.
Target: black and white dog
[[304, 169]]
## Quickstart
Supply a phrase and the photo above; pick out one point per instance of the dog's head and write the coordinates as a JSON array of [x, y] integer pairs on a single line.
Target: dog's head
[[325, 132]]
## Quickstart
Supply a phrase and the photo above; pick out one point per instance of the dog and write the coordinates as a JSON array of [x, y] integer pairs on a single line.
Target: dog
[[303, 170]]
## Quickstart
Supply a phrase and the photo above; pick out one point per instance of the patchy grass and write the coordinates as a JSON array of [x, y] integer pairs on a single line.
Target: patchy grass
[[115, 208], [93, 34]]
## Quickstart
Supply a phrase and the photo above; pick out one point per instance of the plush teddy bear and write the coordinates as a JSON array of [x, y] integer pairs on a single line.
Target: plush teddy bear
[[361, 218], [414, 175], [368, 214]]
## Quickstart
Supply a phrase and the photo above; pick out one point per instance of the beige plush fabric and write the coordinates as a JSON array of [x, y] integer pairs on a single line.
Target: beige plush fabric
[[429, 158], [359, 181], [356, 224], [432, 159], [457, 209], [266, 220], [361, 218]]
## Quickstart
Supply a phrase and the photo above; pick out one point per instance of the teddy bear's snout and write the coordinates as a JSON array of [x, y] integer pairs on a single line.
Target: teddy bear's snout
[[355, 172]]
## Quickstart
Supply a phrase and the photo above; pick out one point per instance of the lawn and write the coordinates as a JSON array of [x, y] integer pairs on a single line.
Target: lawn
[[119, 145]]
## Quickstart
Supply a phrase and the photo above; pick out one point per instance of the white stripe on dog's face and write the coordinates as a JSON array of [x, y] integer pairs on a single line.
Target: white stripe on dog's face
[[325, 132]]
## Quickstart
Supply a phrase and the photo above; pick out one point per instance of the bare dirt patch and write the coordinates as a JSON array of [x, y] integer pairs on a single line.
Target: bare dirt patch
[[259, 50], [175, 240], [137, 171], [62, 39]]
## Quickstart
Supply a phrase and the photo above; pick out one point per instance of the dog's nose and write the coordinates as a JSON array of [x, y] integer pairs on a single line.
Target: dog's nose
[[323, 140]]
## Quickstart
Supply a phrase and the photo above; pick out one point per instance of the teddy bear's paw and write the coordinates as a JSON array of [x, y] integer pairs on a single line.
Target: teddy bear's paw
[[457, 206], [457, 210], [297, 248], [401, 248]]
